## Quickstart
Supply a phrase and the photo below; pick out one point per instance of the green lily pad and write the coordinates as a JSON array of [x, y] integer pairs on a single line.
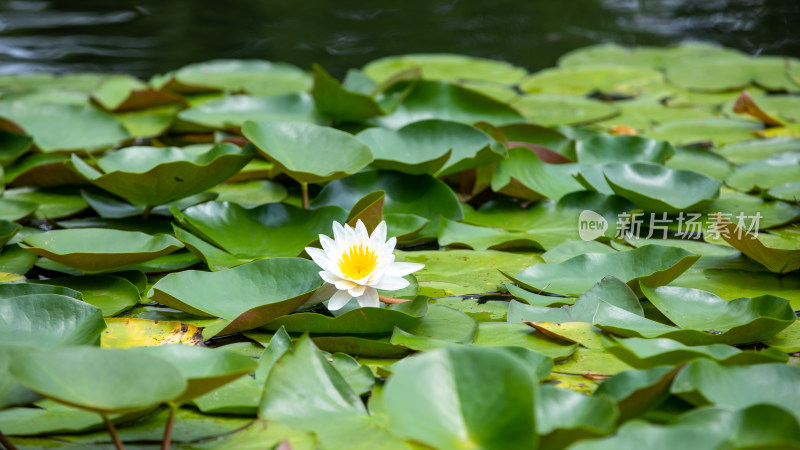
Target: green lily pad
[[49, 320], [652, 265], [420, 195], [754, 426], [58, 127], [773, 213], [585, 79], [441, 326], [539, 136], [789, 192], [362, 346], [764, 174], [639, 390], [7, 231], [524, 175], [573, 247], [563, 416], [53, 203], [203, 369], [705, 381], [551, 110], [95, 383], [636, 434], [445, 67], [659, 189], [604, 148], [757, 149], [112, 294], [452, 412], [439, 100], [460, 272], [256, 293], [250, 193], [702, 317], [431, 146], [732, 74], [336, 412], [336, 102], [230, 113], [148, 123], [778, 252], [648, 353], [482, 238], [42, 170], [15, 260], [254, 76], [12, 146], [700, 160], [12, 210], [99, 250], [155, 176], [719, 131], [551, 222], [730, 283], [295, 147], [11, 290], [359, 321], [122, 93], [275, 229], [493, 334]]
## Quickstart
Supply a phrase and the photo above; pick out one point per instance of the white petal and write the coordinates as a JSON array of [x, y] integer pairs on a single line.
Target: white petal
[[318, 256], [357, 290], [339, 299], [378, 237], [350, 236], [361, 231], [391, 283], [369, 299], [338, 232], [400, 269], [329, 246], [330, 277], [389, 247], [321, 294], [344, 285]]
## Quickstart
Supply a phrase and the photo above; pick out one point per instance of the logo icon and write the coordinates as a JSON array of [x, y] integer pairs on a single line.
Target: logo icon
[[591, 225]]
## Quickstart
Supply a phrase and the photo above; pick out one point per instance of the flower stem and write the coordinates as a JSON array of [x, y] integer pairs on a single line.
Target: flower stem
[[391, 300], [146, 212], [304, 190], [6, 443], [113, 432], [166, 442]]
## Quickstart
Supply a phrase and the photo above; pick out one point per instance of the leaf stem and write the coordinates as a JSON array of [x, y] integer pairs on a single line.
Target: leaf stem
[[166, 442], [304, 190], [391, 300], [6, 443], [113, 432], [146, 212]]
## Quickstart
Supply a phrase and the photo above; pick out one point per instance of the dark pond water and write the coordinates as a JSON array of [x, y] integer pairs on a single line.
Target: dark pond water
[[150, 36]]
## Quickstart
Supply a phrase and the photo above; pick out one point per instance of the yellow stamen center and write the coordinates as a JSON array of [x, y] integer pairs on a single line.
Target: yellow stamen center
[[357, 262]]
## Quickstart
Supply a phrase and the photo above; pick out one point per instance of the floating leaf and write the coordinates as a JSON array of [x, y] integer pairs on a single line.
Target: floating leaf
[[49, 320], [482, 238], [494, 334], [59, 127], [473, 384], [275, 229], [719, 131], [563, 416], [652, 265], [358, 321], [659, 189], [112, 294], [155, 176], [441, 326], [438, 100], [648, 353], [339, 104], [585, 79], [295, 147], [524, 175], [551, 110], [779, 253], [431, 146], [445, 67], [771, 172], [255, 293], [705, 381], [53, 203], [98, 250], [95, 383], [254, 76], [604, 148], [121, 93], [230, 113]]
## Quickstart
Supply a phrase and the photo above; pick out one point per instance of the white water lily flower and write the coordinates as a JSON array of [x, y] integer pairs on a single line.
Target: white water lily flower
[[357, 264]]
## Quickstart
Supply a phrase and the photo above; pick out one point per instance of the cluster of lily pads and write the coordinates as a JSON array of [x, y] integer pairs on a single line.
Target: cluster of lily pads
[[154, 285]]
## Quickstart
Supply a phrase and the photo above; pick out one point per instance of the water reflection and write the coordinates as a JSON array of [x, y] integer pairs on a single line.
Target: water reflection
[[151, 36]]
